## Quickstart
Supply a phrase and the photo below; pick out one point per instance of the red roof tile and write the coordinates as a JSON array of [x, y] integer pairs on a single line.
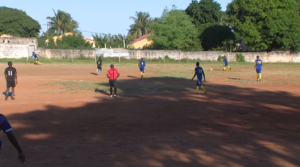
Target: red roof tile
[[140, 38]]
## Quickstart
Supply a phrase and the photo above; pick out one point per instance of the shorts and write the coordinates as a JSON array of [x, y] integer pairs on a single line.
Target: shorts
[[226, 64], [142, 70], [10, 84], [258, 70], [199, 82], [113, 83]]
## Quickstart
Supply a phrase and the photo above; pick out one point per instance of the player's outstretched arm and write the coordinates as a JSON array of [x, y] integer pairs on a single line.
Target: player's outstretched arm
[[11, 137], [118, 75], [255, 64], [194, 76], [107, 76]]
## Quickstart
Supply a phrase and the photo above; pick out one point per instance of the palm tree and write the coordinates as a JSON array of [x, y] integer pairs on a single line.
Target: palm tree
[[62, 22], [141, 24]]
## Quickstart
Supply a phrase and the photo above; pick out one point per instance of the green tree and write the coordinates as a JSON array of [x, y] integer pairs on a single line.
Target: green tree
[[208, 18], [62, 22], [175, 30], [113, 41], [214, 37], [206, 11], [17, 23], [266, 24], [141, 24]]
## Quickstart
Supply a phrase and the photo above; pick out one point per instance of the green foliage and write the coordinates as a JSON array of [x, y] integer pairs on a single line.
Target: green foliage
[[113, 41], [266, 25], [17, 23], [221, 58], [207, 16], [74, 41], [175, 30], [140, 26], [240, 58], [62, 22], [216, 36], [206, 11]]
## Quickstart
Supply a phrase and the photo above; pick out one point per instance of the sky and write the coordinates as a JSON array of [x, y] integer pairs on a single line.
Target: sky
[[98, 16]]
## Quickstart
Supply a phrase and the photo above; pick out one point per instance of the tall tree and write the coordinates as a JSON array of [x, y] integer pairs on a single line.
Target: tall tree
[[62, 22], [141, 24], [175, 30], [208, 18], [206, 11], [17, 23], [266, 24]]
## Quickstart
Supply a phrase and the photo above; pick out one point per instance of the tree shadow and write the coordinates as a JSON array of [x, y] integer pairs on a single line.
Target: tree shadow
[[231, 126]]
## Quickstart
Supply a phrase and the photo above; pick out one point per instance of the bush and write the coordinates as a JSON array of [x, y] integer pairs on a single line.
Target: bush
[[221, 58], [240, 58]]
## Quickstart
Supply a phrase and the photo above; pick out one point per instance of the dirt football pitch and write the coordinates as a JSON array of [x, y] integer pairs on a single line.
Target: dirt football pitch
[[63, 116]]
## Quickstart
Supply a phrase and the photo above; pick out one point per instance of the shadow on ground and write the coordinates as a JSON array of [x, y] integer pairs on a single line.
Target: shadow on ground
[[231, 126]]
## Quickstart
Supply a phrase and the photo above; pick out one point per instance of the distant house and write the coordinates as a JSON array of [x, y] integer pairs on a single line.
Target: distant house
[[141, 42], [6, 36]]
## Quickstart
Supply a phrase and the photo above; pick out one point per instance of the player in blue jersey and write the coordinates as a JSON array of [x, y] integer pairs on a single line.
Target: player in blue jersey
[[6, 128], [36, 58], [258, 66], [226, 63], [142, 65], [199, 72]]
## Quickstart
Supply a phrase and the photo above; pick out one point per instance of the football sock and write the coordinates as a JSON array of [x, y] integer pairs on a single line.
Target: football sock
[[110, 91], [7, 92], [143, 74], [202, 87], [12, 93], [197, 88], [259, 75], [224, 68], [228, 66], [115, 91]]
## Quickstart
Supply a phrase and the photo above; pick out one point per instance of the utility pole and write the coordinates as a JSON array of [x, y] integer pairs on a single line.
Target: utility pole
[[47, 30]]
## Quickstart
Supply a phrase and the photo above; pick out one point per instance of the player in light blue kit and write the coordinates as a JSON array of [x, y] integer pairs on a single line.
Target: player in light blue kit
[[199, 72], [258, 66], [7, 129], [142, 65]]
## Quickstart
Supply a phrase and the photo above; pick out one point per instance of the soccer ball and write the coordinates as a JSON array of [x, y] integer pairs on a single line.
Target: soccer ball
[[211, 69]]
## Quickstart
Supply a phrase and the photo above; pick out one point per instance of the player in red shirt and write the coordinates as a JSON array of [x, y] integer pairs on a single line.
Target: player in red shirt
[[113, 74]]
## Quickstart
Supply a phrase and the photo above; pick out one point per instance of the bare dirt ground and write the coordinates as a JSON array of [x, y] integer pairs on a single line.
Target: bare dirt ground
[[239, 123]]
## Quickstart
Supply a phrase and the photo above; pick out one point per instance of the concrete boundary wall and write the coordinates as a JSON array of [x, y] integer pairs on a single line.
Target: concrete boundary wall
[[65, 53], [19, 51], [274, 57], [14, 51]]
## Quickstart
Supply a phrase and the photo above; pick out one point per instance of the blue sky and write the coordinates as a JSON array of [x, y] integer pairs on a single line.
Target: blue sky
[[99, 16]]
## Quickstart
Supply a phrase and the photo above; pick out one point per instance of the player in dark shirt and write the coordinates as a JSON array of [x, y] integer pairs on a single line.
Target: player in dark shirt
[[7, 129], [11, 80], [99, 65]]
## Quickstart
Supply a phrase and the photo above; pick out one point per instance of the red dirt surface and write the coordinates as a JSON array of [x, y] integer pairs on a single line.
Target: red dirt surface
[[234, 125]]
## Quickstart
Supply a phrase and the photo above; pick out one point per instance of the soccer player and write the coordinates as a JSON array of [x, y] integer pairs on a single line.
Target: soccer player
[[142, 65], [11, 80], [113, 74], [99, 65], [199, 72], [6, 128], [258, 66], [36, 58], [226, 63]]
